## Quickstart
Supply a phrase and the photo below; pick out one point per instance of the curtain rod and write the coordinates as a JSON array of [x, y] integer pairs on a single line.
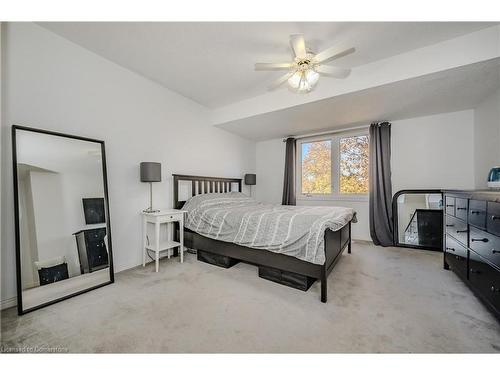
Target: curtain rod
[[328, 132]]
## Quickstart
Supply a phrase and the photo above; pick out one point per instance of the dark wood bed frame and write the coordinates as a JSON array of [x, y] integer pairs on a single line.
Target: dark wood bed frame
[[335, 242]]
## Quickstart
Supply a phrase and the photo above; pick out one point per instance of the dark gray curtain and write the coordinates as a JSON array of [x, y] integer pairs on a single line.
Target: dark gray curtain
[[289, 179], [381, 224]]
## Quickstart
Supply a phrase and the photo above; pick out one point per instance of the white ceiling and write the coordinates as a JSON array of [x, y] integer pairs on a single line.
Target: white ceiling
[[445, 91], [212, 63], [57, 154]]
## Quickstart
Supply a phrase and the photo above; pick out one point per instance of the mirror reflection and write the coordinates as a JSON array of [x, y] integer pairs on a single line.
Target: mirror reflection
[[420, 219], [63, 238]]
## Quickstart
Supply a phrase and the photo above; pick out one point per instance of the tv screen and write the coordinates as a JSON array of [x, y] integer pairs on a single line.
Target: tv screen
[[93, 208]]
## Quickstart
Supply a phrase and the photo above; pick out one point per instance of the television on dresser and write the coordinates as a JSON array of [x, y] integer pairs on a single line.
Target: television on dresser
[[93, 209]]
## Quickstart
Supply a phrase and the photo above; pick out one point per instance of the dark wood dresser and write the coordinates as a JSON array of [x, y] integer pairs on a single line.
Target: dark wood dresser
[[472, 242], [92, 251]]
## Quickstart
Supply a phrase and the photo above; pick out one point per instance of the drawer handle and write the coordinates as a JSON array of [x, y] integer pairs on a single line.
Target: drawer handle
[[479, 240], [450, 225], [493, 217], [495, 290], [450, 248], [475, 212], [450, 205], [462, 231], [474, 271], [495, 251], [461, 208]]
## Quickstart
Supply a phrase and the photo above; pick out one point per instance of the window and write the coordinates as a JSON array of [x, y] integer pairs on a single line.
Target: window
[[333, 166], [317, 167], [354, 165]]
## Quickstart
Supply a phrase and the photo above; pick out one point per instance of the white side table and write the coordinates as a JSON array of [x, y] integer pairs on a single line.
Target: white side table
[[167, 217]]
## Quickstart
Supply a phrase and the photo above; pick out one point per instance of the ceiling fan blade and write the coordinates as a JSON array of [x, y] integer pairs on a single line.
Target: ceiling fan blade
[[298, 45], [332, 54], [272, 66], [332, 71], [277, 83]]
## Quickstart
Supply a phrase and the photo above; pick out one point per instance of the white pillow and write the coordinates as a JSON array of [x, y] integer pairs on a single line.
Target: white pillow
[[50, 262]]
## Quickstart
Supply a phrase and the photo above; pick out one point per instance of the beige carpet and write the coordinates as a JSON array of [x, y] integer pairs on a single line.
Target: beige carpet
[[379, 300]]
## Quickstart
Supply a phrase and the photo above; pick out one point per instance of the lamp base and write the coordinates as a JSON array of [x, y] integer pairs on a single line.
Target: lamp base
[[150, 210]]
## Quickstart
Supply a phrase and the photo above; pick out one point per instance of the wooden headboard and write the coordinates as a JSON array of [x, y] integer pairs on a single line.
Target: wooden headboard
[[203, 185]]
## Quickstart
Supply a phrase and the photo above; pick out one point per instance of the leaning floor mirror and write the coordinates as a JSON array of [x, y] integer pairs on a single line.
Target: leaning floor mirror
[[418, 219], [63, 238]]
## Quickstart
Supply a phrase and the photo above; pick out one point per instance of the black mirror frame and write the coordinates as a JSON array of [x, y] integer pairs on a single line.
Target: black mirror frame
[[20, 309], [395, 216]]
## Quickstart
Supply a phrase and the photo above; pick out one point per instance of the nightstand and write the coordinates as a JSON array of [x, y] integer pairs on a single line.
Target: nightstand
[[166, 218]]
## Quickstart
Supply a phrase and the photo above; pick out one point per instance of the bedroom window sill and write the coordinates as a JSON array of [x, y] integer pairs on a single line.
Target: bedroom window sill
[[345, 198]]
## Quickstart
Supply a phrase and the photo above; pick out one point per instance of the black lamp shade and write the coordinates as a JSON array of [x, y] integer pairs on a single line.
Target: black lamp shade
[[250, 179], [150, 172]]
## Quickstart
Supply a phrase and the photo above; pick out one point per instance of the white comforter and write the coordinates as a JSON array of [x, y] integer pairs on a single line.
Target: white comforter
[[290, 230]]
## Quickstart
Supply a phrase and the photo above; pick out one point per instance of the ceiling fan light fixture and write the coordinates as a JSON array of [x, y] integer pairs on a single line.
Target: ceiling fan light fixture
[[303, 80], [295, 79], [312, 77], [304, 86], [305, 69]]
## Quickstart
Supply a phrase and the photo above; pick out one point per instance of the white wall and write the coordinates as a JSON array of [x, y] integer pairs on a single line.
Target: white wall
[[27, 231], [270, 166], [51, 83], [486, 138], [433, 152], [53, 234], [2, 119], [58, 211], [427, 152]]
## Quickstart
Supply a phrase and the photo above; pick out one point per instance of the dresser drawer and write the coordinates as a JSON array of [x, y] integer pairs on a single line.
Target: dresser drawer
[[455, 254], [171, 217], [477, 213], [450, 205], [486, 245], [97, 257], [461, 206], [485, 280], [493, 218], [95, 237], [457, 229]]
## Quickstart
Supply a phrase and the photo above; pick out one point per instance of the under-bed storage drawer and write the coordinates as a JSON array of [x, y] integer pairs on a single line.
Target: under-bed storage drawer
[[216, 259], [291, 279]]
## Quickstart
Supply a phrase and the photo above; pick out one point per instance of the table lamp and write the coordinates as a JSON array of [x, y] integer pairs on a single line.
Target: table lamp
[[250, 179], [150, 172]]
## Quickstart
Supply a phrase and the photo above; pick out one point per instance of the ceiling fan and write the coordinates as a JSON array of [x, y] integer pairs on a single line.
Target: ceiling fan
[[304, 71]]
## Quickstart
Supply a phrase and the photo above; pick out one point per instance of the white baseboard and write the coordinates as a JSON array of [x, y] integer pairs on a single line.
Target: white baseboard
[[366, 242], [8, 303]]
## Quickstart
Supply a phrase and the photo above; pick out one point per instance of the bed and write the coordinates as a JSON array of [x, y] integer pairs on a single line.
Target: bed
[[217, 212]]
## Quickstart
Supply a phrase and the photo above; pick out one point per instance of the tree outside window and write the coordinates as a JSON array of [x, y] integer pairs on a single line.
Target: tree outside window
[[334, 165], [317, 167], [354, 165]]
